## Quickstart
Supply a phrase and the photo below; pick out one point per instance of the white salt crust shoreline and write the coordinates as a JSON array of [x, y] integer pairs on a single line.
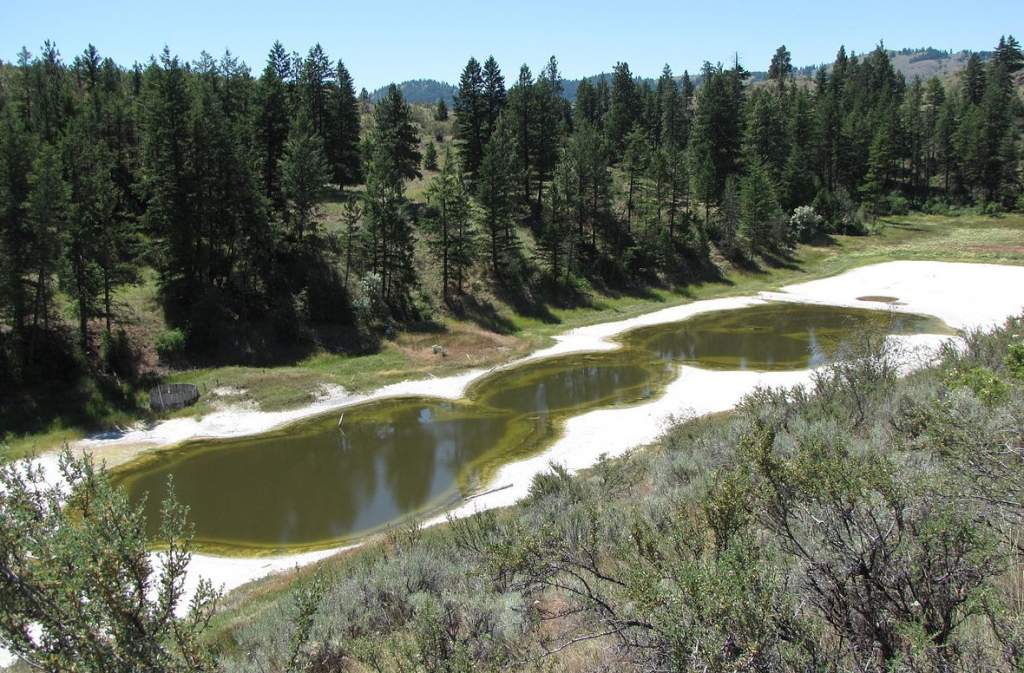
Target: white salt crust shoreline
[[964, 296]]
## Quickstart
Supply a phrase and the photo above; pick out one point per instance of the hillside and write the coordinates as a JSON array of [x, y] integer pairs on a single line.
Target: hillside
[[924, 62], [418, 91]]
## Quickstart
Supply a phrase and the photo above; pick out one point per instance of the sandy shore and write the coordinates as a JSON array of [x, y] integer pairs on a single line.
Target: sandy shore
[[965, 296]]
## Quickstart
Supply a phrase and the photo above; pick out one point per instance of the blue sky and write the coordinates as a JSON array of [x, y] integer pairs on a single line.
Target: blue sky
[[393, 40]]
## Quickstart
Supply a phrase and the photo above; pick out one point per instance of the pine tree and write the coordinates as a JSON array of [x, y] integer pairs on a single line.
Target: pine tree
[[974, 79], [765, 137], [548, 126], [624, 112], [227, 222], [272, 120], [166, 177], [944, 140], [716, 134], [450, 229], [635, 162], [997, 153], [352, 217], [670, 114], [441, 111], [678, 204], [394, 130], [497, 192], [46, 210], [430, 157], [587, 187], [727, 219], [881, 159], [798, 175], [1009, 55], [686, 90], [588, 106], [304, 174], [387, 226], [654, 206], [17, 152], [342, 138], [970, 150], [556, 231], [522, 109], [51, 100], [781, 68], [494, 96], [102, 242], [935, 98], [913, 135], [316, 79], [759, 208], [90, 226], [471, 117]]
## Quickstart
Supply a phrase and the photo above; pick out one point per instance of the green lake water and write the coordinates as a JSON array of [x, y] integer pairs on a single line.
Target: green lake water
[[313, 483]]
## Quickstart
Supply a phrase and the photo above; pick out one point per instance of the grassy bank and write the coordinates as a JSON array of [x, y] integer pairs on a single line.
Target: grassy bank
[[505, 335]]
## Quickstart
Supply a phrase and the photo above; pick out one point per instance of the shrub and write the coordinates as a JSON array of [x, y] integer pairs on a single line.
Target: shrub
[[75, 568], [170, 345], [936, 207], [1015, 359], [369, 304], [805, 223], [897, 204], [838, 210], [983, 382], [992, 208]]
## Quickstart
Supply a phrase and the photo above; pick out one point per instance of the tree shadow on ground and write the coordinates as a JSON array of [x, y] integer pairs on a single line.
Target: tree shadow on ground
[[779, 259], [482, 313], [525, 301], [902, 226], [85, 402], [822, 239]]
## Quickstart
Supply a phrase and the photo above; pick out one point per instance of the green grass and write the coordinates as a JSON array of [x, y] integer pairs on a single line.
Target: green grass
[[914, 237], [967, 238]]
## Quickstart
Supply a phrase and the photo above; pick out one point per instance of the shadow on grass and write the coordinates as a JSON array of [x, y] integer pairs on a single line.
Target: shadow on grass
[[902, 226], [482, 313], [526, 302], [779, 260], [89, 403]]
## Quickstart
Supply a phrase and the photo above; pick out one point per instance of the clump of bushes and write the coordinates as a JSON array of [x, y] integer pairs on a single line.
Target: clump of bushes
[[840, 211], [897, 204], [170, 345], [981, 381], [1015, 358], [805, 224]]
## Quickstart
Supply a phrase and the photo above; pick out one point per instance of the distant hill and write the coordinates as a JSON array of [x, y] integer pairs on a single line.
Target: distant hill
[[923, 62], [421, 91], [926, 63]]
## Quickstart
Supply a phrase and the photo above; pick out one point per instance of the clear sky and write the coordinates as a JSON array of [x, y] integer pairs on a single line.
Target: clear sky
[[393, 40]]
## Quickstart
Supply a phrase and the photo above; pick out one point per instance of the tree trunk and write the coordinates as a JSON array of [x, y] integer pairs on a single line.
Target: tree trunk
[[106, 298]]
